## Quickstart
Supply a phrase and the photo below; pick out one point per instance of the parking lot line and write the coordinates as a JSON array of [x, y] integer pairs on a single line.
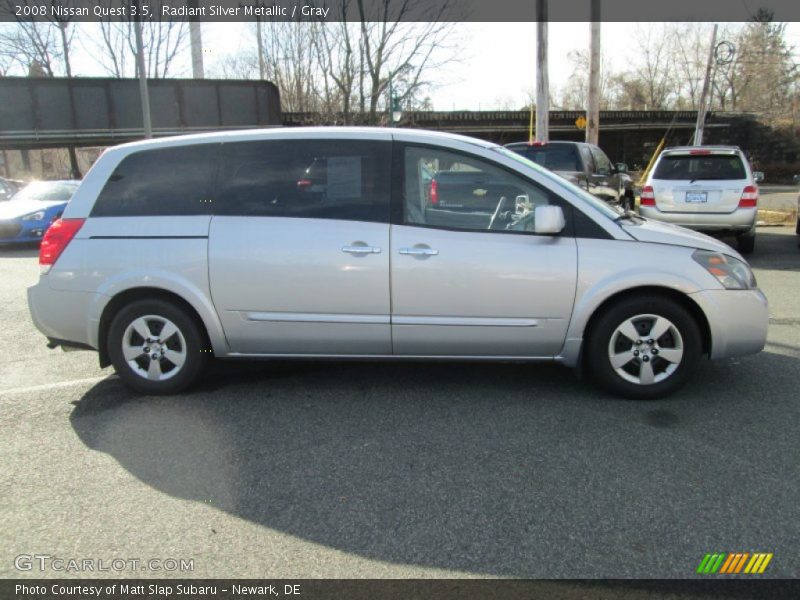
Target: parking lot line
[[51, 386]]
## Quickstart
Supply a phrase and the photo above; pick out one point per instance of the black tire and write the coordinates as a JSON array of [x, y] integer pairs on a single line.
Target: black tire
[[190, 342], [603, 331], [746, 243]]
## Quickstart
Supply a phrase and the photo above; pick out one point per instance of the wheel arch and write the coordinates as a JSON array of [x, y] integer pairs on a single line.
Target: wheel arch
[[677, 296], [126, 297]]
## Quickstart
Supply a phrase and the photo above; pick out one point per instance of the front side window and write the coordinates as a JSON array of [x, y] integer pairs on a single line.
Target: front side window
[[173, 181], [601, 161], [454, 191], [330, 179], [586, 155]]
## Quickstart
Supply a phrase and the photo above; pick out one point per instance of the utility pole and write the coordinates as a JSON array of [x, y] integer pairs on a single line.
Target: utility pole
[[143, 93], [262, 68], [701, 113], [542, 79], [73, 155], [196, 42], [593, 105]]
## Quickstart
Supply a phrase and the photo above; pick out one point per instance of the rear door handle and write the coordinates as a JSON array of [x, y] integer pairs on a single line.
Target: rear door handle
[[419, 251], [361, 249]]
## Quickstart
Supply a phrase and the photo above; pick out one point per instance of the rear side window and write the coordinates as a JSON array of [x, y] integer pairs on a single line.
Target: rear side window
[[164, 182], [329, 179], [700, 167], [556, 157]]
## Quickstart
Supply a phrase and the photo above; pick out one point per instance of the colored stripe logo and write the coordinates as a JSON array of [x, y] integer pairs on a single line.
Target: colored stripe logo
[[734, 563]]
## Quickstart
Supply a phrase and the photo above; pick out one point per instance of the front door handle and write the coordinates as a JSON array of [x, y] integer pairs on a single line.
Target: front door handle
[[419, 251], [361, 249]]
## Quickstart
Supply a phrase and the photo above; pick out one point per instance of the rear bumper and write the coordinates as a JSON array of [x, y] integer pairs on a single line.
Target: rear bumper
[[738, 320], [60, 315], [740, 220]]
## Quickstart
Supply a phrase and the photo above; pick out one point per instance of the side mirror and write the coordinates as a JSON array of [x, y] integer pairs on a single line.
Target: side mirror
[[796, 179], [622, 167], [548, 219], [758, 176]]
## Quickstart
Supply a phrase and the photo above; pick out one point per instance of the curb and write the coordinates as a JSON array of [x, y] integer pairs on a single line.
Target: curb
[[776, 217]]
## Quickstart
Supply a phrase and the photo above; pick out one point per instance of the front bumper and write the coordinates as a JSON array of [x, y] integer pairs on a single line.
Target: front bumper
[[740, 220], [18, 231], [738, 320]]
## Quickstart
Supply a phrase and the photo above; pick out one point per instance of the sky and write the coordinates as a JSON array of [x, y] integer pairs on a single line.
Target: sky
[[495, 67]]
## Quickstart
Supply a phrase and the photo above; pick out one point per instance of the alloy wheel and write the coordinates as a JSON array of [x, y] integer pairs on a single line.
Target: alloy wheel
[[645, 349]]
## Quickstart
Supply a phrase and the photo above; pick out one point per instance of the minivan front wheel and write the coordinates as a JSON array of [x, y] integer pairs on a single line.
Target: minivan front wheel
[[155, 347], [644, 347]]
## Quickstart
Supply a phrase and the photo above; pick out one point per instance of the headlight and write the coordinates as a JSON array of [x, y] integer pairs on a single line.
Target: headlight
[[732, 273], [37, 216]]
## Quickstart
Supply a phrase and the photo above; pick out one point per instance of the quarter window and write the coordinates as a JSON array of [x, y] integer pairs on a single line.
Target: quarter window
[[454, 191], [329, 179], [167, 181]]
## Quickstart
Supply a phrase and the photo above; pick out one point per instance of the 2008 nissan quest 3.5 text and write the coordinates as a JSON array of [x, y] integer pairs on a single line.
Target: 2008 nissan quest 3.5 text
[[325, 242]]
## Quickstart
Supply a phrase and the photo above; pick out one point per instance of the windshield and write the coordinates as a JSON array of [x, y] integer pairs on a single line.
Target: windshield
[[47, 191], [700, 167], [594, 202]]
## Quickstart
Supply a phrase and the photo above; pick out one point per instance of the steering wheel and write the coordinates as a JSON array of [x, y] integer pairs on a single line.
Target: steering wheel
[[497, 212]]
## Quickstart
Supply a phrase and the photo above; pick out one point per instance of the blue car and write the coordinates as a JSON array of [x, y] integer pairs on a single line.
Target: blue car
[[33, 209]]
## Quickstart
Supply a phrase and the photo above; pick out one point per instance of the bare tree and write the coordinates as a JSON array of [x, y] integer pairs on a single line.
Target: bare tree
[[164, 41], [242, 65], [574, 94], [654, 67], [342, 70], [407, 52], [38, 46], [688, 44], [337, 46], [763, 75]]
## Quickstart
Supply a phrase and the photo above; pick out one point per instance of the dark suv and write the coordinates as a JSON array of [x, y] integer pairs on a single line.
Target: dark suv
[[585, 165]]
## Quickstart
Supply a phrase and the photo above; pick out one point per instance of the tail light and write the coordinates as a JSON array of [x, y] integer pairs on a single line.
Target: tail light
[[55, 241], [648, 197], [749, 197], [303, 184], [434, 192]]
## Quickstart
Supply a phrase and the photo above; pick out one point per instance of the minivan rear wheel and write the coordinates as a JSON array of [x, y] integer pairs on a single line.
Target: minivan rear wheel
[[643, 347], [156, 347]]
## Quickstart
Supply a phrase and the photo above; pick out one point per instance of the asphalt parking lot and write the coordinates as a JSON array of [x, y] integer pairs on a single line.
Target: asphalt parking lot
[[401, 470]]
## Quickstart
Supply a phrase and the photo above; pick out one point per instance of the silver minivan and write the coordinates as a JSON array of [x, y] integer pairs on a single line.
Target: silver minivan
[[323, 243]]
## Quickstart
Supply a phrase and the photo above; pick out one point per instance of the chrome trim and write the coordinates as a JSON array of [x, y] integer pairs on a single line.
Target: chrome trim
[[419, 251], [465, 321], [361, 249], [317, 318], [401, 357]]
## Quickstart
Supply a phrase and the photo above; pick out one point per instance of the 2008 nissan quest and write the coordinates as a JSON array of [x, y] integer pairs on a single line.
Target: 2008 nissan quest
[[329, 242]]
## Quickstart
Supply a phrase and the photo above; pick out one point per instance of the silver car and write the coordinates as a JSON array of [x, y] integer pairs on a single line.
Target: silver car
[[178, 250], [706, 188]]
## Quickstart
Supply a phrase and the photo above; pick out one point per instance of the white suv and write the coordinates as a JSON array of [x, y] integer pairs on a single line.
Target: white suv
[[705, 188]]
